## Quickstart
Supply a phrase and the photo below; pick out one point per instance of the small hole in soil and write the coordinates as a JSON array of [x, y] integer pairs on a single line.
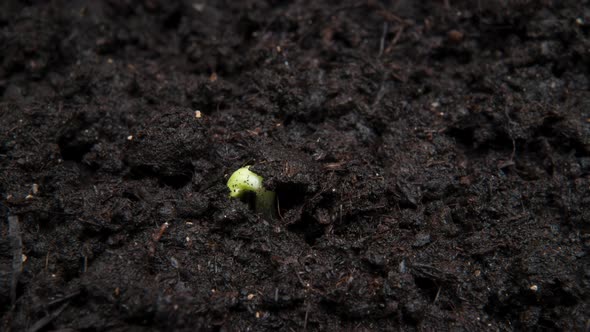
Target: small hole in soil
[[428, 286], [175, 181], [290, 195], [472, 138], [73, 151], [462, 135], [309, 228], [173, 20], [249, 198]]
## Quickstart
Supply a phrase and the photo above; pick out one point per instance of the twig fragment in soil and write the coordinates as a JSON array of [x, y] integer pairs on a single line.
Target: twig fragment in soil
[[158, 235], [47, 319], [84, 264], [437, 295], [306, 316], [382, 41], [431, 272], [17, 254], [510, 124], [396, 38], [382, 11], [279, 209], [46, 261], [67, 297]]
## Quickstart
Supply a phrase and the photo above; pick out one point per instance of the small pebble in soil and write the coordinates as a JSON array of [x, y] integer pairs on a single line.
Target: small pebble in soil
[[455, 36], [421, 240]]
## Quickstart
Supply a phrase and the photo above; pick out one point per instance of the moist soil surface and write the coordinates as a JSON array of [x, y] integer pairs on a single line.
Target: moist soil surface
[[431, 161]]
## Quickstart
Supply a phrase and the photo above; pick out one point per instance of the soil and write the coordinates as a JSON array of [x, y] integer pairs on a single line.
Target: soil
[[431, 161]]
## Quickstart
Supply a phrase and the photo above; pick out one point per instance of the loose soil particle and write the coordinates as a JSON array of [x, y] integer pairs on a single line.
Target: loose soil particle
[[431, 161]]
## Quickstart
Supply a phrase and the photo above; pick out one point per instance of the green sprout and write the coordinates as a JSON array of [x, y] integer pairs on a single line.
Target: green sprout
[[244, 181]]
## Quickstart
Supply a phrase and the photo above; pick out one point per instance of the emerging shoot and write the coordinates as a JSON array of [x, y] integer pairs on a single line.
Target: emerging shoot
[[244, 181]]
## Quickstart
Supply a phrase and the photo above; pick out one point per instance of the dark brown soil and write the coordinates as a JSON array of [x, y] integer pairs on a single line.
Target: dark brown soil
[[431, 160]]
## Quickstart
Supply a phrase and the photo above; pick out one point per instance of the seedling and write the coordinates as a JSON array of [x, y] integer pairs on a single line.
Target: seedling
[[243, 182]]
